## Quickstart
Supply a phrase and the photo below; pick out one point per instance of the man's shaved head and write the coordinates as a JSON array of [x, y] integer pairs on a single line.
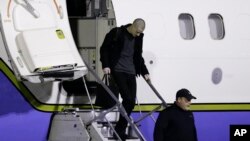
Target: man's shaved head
[[139, 24]]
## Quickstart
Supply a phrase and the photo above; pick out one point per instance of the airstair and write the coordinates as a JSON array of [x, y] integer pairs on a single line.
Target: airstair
[[92, 125], [96, 125], [72, 125]]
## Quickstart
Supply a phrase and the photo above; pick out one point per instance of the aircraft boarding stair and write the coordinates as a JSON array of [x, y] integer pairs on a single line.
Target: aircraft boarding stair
[[96, 125], [73, 124]]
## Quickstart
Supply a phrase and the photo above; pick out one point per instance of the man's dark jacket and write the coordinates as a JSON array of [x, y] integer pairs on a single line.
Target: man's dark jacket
[[175, 124], [112, 47]]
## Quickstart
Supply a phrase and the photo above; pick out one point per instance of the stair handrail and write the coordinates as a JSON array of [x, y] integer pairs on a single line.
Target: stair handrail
[[163, 104]]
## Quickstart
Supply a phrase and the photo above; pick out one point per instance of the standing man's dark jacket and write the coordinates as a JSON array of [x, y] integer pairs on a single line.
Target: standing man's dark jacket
[[112, 47], [175, 124]]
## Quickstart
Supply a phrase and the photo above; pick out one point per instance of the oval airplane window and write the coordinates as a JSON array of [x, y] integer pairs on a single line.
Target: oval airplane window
[[186, 24], [216, 26]]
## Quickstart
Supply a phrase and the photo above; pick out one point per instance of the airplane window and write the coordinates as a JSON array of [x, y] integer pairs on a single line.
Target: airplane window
[[186, 24], [216, 25]]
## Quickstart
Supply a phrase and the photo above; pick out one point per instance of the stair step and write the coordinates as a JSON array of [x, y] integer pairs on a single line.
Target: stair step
[[129, 138], [101, 134], [105, 122]]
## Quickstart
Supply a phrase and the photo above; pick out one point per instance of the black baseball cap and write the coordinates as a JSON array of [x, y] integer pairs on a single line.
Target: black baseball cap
[[185, 93]]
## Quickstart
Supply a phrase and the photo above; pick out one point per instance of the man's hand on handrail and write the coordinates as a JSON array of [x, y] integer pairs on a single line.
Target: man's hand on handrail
[[147, 77], [106, 70]]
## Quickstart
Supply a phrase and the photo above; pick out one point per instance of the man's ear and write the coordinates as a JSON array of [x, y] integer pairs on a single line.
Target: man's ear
[[178, 99]]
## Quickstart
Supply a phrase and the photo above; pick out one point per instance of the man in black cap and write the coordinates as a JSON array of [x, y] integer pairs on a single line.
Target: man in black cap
[[176, 123]]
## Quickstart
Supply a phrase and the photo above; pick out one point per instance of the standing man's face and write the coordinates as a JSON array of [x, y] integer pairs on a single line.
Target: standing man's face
[[183, 103], [137, 30]]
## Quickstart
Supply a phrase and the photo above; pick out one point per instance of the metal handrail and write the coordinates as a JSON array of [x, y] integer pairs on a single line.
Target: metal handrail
[[164, 104], [148, 114], [156, 92]]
